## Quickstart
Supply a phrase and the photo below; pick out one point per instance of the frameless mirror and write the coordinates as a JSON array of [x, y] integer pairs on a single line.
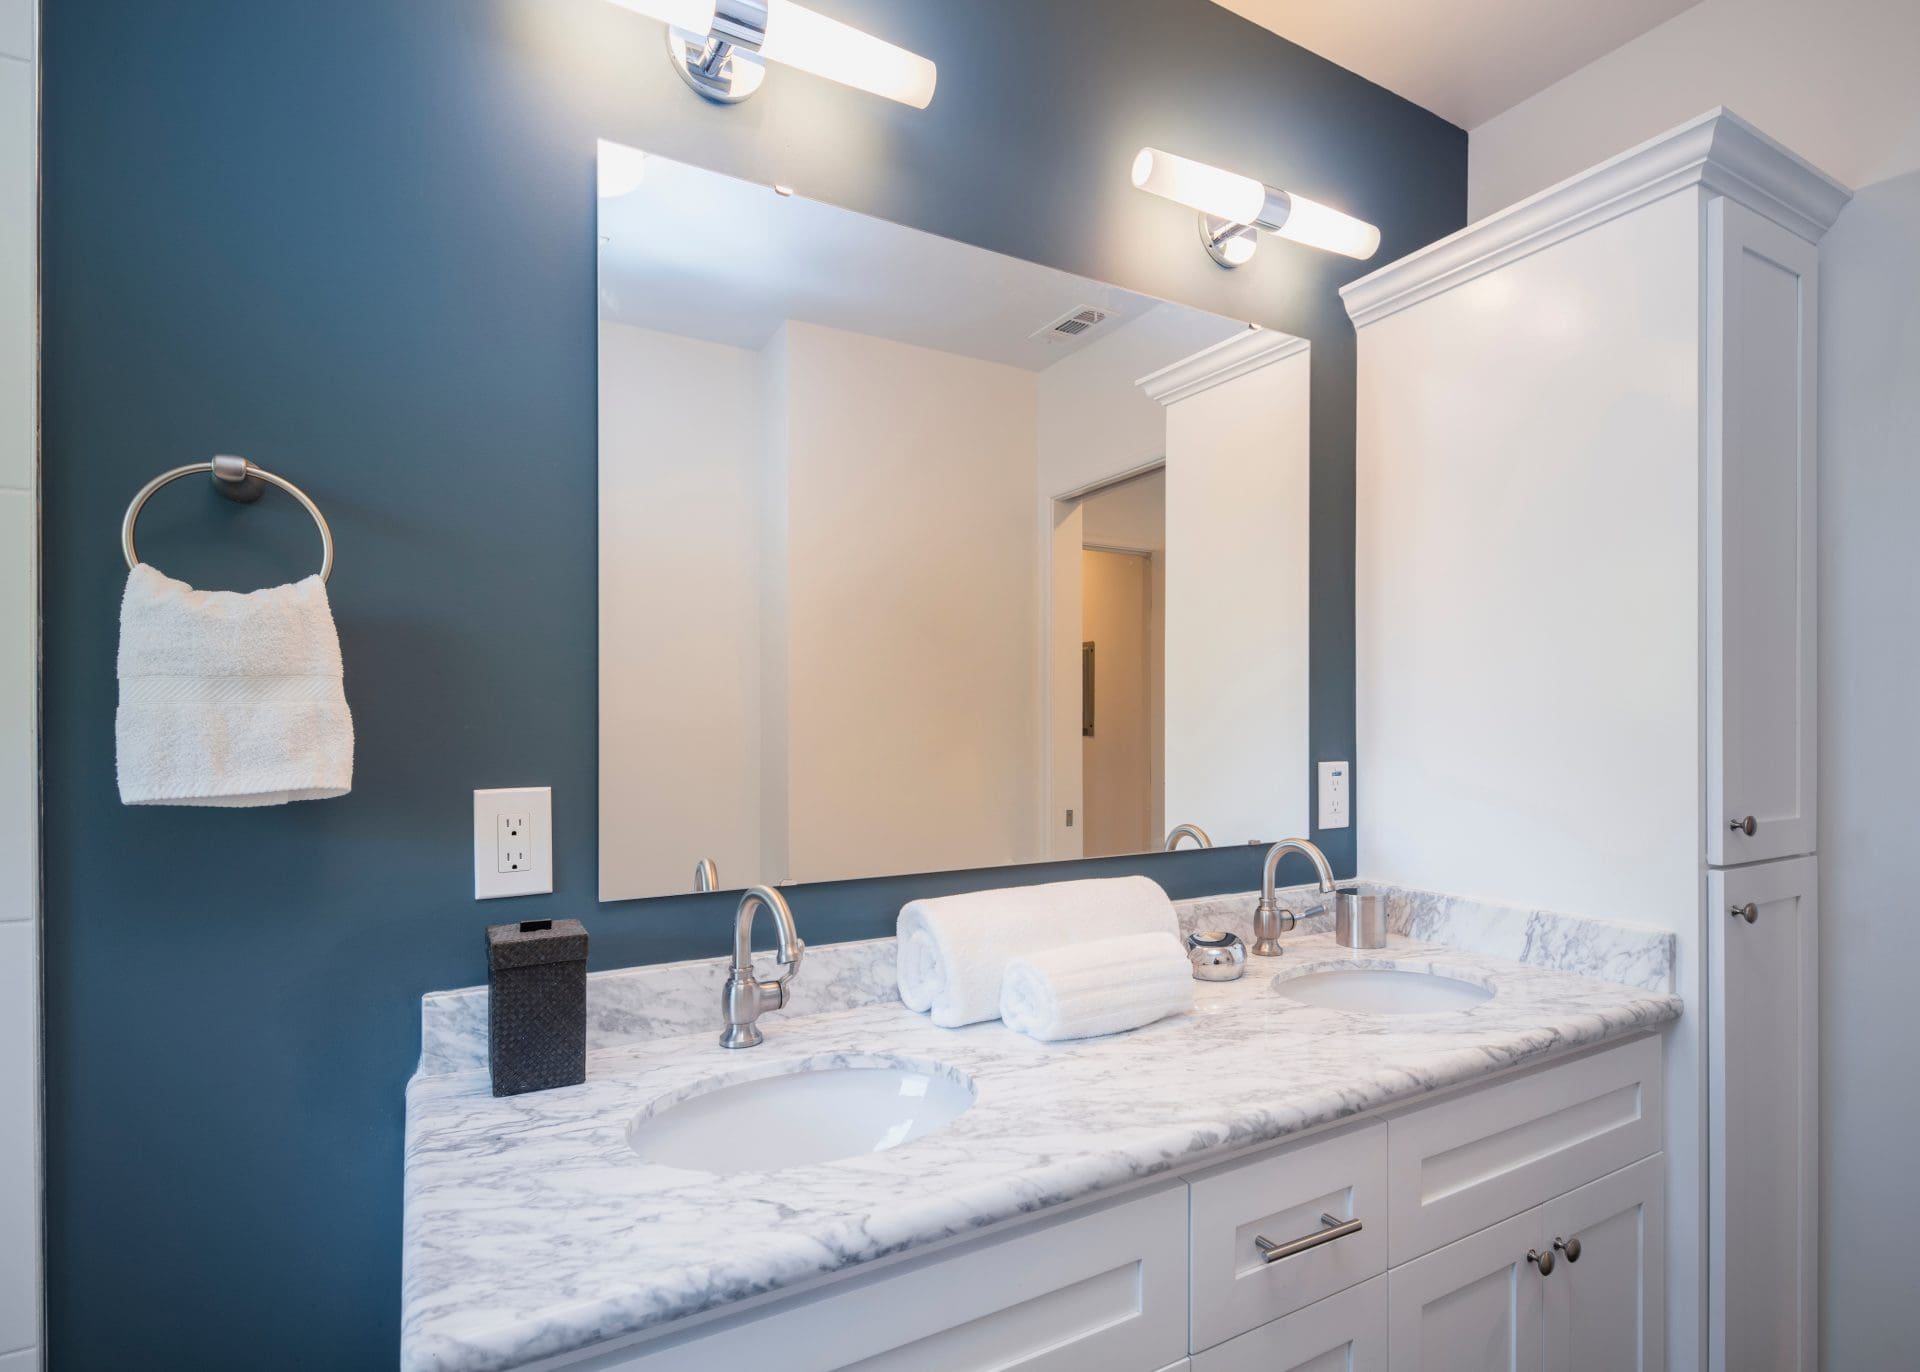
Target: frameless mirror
[[915, 557]]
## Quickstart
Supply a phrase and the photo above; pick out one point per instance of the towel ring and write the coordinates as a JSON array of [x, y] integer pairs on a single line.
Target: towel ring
[[236, 479]]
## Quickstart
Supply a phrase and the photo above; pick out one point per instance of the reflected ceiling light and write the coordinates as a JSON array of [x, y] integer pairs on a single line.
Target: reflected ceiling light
[[622, 169], [720, 48], [1234, 208]]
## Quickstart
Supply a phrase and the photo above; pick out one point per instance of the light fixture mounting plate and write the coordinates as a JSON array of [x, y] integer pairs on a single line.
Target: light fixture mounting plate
[[718, 70], [1228, 243]]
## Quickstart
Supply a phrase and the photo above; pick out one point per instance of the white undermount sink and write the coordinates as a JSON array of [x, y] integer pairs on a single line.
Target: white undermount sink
[[808, 1114], [1382, 991]]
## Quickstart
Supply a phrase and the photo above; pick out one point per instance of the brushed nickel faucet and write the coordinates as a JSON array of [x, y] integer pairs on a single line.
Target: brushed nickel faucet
[[1192, 831], [1267, 925], [706, 875], [745, 997]]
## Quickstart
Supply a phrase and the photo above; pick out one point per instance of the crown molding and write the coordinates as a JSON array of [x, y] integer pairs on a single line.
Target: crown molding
[[1719, 152], [1246, 351]]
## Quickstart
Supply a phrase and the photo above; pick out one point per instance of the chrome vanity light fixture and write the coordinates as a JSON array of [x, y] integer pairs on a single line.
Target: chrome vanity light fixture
[[721, 48], [1233, 209]]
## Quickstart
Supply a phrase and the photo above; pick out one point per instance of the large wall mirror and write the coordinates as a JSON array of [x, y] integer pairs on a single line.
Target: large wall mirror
[[914, 557]]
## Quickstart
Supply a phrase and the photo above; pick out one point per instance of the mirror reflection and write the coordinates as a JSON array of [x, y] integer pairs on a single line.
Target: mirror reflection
[[916, 557]]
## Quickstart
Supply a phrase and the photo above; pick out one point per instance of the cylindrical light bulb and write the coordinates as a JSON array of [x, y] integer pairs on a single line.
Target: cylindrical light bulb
[[1237, 199], [1322, 226], [798, 37], [695, 16]]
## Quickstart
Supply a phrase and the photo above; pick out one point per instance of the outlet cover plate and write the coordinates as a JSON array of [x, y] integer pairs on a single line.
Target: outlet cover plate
[[1336, 795], [495, 813]]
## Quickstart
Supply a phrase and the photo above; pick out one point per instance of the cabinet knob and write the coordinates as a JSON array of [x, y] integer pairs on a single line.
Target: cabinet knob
[[1749, 912], [1543, 1261], [1744, 826], [1571, 1247]]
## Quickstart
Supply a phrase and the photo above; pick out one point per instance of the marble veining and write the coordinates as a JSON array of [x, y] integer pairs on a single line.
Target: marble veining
[[663, 1000], [532, 1229]]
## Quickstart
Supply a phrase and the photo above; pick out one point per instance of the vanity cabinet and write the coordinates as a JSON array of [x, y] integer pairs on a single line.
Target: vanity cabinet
[[1175, 1278]]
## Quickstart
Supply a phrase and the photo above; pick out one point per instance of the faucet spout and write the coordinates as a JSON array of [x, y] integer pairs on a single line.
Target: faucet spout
[[745, 997], [1268, 924], [1192, 831]]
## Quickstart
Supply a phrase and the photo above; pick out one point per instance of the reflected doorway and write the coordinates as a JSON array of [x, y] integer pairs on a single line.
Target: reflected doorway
[[1123, 651]]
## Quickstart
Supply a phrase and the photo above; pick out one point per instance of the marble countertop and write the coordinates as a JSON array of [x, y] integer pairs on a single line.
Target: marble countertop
[[532, 1229]]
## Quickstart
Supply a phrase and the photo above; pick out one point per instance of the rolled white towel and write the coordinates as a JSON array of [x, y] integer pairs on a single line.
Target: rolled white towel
[[1103, 987], [953, 950]]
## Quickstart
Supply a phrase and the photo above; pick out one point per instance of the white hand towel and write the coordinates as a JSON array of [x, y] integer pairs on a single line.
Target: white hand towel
[[953, 950], [230, 699], [1097, 988]]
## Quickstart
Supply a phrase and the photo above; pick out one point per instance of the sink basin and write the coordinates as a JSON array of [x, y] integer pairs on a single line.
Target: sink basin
[[807, 1114], [1382, 991]]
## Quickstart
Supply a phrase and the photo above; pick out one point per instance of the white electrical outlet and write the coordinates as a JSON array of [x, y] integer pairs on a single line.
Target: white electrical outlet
[[1335, 796], [512, 842]]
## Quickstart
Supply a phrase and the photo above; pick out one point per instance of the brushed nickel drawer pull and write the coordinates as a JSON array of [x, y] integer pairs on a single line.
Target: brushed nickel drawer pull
[[1749, 912], [1330, 1229], [1743, 826]]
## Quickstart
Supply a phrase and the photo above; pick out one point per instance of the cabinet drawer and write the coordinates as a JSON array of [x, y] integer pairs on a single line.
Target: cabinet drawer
[[1281, 1197], [1347, 1331], [1100, 1291], [1484, 1156]]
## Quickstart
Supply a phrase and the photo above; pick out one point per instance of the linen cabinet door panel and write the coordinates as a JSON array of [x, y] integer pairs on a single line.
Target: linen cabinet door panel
[[1606, 1298], [1473, 1306], [1763, 1116], [1762, 298], [1343, 1333]]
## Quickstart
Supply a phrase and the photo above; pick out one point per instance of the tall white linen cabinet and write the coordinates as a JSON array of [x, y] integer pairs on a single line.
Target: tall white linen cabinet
[[1586, 642]]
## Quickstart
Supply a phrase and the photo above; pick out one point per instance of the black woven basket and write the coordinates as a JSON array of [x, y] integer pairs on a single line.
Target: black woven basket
[[537, 1005]]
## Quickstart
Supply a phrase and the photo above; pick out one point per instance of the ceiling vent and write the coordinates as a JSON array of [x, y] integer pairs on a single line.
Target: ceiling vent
[[1071, 325]]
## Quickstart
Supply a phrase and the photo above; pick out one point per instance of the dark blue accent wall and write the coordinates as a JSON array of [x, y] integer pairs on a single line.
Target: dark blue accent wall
[[354, 241]]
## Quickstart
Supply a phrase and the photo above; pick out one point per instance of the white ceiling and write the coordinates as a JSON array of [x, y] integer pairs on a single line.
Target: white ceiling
[[1466, 60], [696, 253]]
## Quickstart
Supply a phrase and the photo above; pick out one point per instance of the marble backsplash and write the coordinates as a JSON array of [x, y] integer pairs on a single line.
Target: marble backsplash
[[660, 1000]]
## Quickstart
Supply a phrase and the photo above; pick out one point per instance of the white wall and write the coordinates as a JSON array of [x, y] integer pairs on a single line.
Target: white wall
[[913, 609], [1517, 562], [1094, 425], [1238, 604], [1490, 601], [680, 458], [20, 1219], [1837, 83], [1869, 758]]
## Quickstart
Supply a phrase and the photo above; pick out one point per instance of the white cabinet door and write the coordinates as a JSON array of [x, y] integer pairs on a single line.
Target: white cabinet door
[[1100, 1291], [1343, 1333], [1606, 1297], [1763, 1116], [1473, 1306], [1762, 289]]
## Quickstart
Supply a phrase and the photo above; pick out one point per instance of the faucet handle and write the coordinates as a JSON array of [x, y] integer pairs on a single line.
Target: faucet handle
[[786, 977]]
